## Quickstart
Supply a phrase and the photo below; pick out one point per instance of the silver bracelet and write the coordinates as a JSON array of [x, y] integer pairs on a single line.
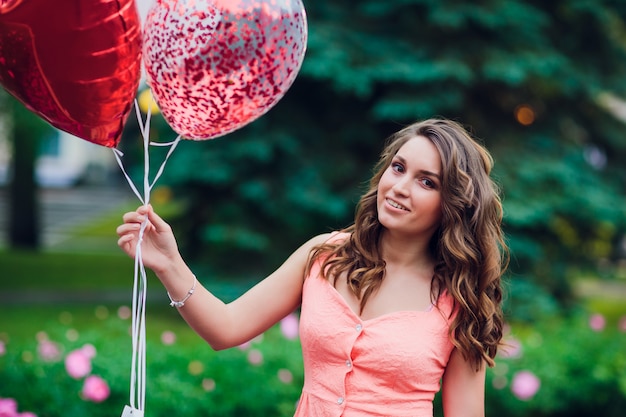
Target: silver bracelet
[[179, 304]]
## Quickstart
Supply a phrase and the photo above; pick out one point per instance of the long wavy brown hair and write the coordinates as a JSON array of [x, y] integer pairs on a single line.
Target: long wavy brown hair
[[469, 248]]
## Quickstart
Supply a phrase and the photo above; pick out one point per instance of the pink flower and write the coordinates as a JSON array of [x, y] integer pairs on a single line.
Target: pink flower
[[3, 348], [78, 363], [168, 337], [245, 345], [285, 376], [622, 324], [249, 343], [289, 326], [89, 350], [525, 385], [8, 407], [597, 322], [95, 389], [255, 357], [124, 312], [48, 351]]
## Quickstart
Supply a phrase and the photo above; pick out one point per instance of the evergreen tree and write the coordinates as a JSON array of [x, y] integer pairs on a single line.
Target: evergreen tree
[[530, 78]]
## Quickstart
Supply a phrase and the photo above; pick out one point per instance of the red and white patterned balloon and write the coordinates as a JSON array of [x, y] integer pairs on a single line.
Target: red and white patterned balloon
[[217, 65]]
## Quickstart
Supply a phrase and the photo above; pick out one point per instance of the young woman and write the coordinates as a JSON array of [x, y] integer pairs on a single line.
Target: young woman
[[405, 299]]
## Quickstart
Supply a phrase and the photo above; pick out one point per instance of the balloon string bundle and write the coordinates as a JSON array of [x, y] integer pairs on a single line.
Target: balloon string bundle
[[138, 324]]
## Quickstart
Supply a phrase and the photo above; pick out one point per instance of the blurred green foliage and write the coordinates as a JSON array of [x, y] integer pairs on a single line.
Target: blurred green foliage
[[580, 364], [532, 79]]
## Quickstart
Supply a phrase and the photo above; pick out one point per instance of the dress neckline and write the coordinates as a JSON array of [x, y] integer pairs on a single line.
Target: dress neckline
[[380, 317]]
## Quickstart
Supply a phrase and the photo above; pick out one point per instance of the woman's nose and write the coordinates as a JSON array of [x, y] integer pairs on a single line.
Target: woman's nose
[[401, 186]]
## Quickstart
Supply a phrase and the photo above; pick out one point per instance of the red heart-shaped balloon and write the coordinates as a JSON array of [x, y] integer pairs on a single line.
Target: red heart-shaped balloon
[[216, 65], [75, 63]]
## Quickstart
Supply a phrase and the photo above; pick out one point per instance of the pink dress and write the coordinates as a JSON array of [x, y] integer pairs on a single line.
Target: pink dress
[[387, 366]]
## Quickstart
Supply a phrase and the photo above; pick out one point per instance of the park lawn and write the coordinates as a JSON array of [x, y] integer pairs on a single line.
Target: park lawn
[[88, 259], [26, 270], [606, 297], [23, 323]]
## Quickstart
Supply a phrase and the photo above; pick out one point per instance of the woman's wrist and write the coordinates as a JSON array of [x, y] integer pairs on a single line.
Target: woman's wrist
[[170, 267], [180, 303], [177, 279]]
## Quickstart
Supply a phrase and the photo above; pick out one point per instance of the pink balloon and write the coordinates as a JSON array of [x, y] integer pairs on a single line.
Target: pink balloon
[[217, 65]]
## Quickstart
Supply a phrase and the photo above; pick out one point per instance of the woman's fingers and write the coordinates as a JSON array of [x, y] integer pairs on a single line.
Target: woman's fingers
[[133, 217], [125, 239], [159, 224], [127, 228], [126, 242], [133, 221]]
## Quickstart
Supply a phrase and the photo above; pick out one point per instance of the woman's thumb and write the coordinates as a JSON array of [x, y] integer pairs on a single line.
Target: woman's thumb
[[155, 219]]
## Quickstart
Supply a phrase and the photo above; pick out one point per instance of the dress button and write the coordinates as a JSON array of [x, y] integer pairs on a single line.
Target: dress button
[[358, 327], [348, 363], [340, 400]]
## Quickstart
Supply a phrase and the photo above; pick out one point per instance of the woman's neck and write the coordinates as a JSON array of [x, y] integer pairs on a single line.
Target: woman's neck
[[406, 252]]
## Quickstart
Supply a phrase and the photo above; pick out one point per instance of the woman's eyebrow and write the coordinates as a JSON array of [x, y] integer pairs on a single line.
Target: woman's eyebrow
[[434, 174], [422, 171]]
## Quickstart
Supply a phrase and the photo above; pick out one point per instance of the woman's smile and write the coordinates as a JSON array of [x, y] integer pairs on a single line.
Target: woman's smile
[[395, 204]]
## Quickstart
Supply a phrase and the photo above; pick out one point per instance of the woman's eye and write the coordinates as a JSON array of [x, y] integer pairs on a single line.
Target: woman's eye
[[397, 167], [428, 183]]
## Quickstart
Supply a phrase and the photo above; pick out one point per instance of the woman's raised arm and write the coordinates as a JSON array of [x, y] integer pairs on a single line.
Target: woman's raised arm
[[221, 325]]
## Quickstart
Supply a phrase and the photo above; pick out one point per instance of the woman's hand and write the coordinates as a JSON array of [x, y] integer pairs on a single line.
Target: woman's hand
[[159, 250]]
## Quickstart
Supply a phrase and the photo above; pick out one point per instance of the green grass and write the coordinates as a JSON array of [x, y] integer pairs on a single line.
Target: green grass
[[81, 279], [106, 224], [612, 309], [601, 296], [22, 323], [94, 237], [88, 259], [23, 270]]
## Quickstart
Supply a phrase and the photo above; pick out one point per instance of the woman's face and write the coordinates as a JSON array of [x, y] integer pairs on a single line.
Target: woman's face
[[409, 191]]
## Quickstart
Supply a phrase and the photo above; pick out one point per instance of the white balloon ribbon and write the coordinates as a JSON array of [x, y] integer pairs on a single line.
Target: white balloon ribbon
[[138, 324]]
